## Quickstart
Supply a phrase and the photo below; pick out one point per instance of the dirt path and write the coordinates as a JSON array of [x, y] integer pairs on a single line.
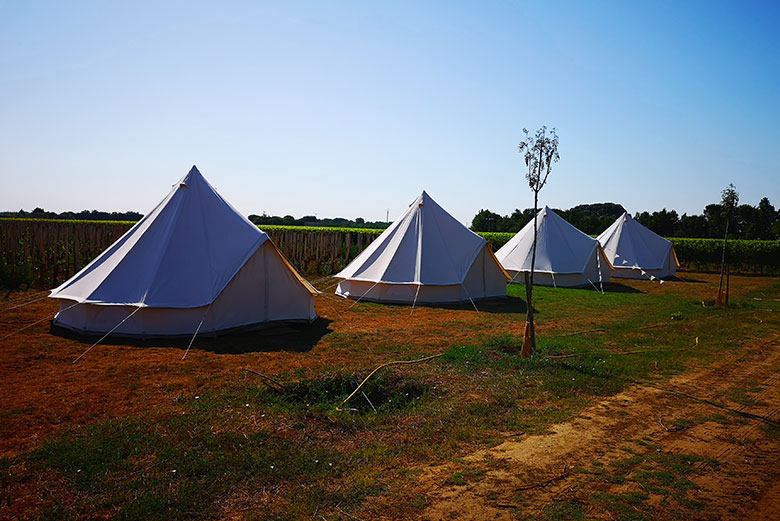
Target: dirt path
[[632, 452]]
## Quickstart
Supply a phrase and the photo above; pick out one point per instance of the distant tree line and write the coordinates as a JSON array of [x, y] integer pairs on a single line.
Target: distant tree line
[[83, 215], [749, 222], [312, 220], [288, 220], [590, 218]]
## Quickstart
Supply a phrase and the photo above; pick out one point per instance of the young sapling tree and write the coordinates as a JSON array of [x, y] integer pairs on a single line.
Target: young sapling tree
[[539, 151], [729, 198]]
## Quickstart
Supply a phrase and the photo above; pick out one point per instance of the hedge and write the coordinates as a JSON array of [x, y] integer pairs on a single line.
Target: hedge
[[41, 252], [744, 256]]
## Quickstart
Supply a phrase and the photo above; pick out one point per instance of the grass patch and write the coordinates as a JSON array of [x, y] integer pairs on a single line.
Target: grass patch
[[653, 473], [771, 431], [176, 469], [629, 506], [742, 394], [563, 511], [383, 393]]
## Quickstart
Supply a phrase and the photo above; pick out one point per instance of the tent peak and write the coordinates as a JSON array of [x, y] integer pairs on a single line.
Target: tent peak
[[194, 173], [424, 198]]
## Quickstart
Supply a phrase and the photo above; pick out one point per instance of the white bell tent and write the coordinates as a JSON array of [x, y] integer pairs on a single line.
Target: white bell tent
[[565, 256], [192, 264], [637, 252], [425, 256]]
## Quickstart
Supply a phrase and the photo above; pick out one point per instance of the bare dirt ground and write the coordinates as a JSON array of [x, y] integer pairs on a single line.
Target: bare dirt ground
[[737, 477]]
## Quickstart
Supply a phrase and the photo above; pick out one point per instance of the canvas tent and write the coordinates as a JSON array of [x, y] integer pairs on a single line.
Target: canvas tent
[[564, 255], [636, 252], [425, 256], [192, 262]]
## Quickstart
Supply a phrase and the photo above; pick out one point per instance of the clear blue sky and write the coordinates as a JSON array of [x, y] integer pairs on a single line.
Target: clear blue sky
[[352, 108]]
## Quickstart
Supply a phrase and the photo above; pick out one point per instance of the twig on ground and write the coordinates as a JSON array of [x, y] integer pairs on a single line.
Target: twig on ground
[[269, 382], [597, 330], [750, 415], [348, 515], [543, 484], [635, 352], [667, 429], [651, 326]]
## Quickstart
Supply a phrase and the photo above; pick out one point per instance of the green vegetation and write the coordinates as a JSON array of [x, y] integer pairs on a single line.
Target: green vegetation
[[743, 255], [174, 469], [83, 215], [320, 229], [563, 511], [590, 218], [652, 472], [65, 221], [312, 220]]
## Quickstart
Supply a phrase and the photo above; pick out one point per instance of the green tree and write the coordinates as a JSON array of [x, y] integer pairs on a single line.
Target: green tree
[[692, 226], [767, 218], [486, 221]]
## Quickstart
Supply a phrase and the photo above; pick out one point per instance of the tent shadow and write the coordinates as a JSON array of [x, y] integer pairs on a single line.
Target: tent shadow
[[296, 338], [609, 287], [616, 287], [678, 278], [488, 305], [506, 305], [503, 305]]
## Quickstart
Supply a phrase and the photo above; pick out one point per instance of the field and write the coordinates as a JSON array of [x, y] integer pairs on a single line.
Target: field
[[645, 402]]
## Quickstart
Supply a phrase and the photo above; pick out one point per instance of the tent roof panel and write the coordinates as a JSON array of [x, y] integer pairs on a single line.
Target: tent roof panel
[[425, 245], [180, 255], [560, 247], [627, 243]]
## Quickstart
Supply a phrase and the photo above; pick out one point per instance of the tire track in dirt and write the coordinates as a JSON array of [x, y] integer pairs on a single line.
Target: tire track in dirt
[[525, 476]]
